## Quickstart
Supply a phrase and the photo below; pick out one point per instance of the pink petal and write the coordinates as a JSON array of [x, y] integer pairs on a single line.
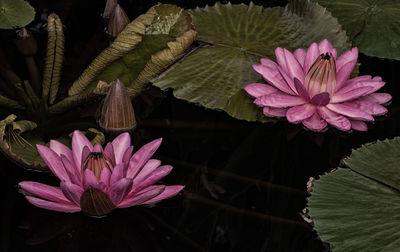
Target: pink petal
[[300, 55], [294, 69], [141, 197], [44, 191], [105, 176], [320, 99], [53, 161], [350, 95], [379, 98], [279, 100], [72, 171], [258, 89], [60, 149], [118, 173], [119, 190], [53, 206], [154, 177], [273, 77], [280, 58], [120, 144], [297, 114], [372, 108], [127, 155], [97, 148], [358, 125], [169, 192], [148, 168], [334, 118], [78, 142], [268, 63], [350, 112], [301, 90], [141, 157], [311, 55], [271, 112], [344, 74], [315, 123], [349, 86], [109, 152], [325, 46], [72, 192], [89, 179], [348, 56], [288, 79]]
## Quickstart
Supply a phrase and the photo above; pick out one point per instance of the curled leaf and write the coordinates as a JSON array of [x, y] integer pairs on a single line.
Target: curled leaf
[[54, 58], [125, 42]]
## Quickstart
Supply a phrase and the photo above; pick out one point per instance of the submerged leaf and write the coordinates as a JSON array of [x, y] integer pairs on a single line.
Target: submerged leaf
[[162, 41], [236, 37], [373, 26], [15, 13], [358, 208]]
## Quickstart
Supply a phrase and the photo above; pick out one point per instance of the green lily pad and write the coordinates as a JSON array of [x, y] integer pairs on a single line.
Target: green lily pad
[[18, 140], [238, 36], [358, 208], [373, 26], [15, 13], [164, 33]]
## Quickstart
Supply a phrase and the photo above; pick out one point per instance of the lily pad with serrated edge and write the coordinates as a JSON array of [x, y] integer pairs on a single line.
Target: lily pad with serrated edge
[[239, 35], [159, 37], [15, 13], [18, 141], [373, 26], [358, 208]]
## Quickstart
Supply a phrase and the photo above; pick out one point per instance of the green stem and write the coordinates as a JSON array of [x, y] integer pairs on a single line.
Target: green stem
[[34, 74]]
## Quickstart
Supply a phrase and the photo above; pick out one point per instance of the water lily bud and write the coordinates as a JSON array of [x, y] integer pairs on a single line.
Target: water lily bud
[[96, 161], [110, 6], [117, 113], [26, 43], [118, 21]]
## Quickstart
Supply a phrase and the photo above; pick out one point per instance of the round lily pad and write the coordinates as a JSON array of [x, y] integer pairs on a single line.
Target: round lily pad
[[232, 39], [358, 208], [373, 26], [15, 13]]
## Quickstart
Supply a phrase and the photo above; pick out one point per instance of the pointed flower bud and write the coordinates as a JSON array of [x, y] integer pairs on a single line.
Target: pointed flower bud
[[117, 112], [96, 161], [110, 6], [26, 43], [118, 21]]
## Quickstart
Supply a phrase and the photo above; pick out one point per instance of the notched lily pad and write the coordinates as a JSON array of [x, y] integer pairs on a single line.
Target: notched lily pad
[[18, 141], [373, 26], [358, 208], [15, 13], [160, 37], [239, 35]]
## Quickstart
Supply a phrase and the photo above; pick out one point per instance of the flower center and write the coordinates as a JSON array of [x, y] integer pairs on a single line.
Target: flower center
[[322, 75], [95, 162]]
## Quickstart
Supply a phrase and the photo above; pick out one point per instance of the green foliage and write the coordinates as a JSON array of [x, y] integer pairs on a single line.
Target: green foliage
[[358, 208], [15, 13]]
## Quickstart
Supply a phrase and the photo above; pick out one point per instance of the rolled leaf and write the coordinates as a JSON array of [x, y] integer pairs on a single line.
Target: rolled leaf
[[164, 40], [54, 58], [125, 42]]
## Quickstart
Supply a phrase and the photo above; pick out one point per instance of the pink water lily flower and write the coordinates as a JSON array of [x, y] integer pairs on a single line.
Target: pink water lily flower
[[97, 181], [313, 87]]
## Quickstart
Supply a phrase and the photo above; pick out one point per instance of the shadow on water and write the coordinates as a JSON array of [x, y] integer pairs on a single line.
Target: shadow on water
[[245, 182]]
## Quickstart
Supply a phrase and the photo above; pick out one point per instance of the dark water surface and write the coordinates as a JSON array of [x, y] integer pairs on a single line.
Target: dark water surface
[[245, 182]]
